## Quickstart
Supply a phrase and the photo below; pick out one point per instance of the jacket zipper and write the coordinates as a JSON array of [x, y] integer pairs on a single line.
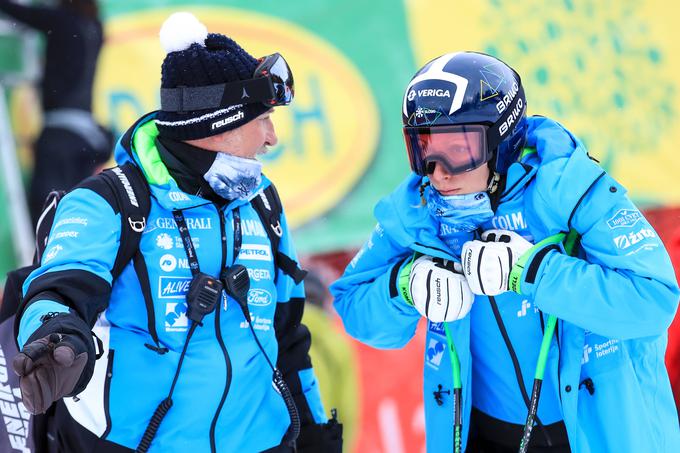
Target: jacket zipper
[[218, 333], [559, 359]]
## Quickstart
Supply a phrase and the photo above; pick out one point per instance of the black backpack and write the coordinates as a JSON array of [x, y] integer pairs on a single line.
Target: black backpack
[[127, 191], [125, 188]]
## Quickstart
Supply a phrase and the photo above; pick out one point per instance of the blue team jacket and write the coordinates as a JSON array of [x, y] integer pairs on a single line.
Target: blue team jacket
[[224, 399], [614, 303]]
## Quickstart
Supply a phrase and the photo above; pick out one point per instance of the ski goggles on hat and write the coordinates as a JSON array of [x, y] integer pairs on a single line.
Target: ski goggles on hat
[[458, 148], [275, 70], [272, 85]]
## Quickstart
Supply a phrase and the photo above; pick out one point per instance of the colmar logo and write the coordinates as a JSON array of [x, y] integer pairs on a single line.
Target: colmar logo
[[178, 196], [512, 221]]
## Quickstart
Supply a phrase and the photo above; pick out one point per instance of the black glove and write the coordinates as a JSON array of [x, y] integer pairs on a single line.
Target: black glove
[[57, 361]]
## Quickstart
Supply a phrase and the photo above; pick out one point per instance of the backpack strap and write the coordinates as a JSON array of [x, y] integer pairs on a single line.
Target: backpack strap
[[132, 195], [268, 206], [133, 198], [44, 224]]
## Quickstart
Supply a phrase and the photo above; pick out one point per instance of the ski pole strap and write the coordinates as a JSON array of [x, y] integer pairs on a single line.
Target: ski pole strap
[[532, 258], [403, 280]]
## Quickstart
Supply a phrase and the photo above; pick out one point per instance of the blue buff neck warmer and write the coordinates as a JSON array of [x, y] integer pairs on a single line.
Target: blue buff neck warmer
[[233, 177], [458, 215]]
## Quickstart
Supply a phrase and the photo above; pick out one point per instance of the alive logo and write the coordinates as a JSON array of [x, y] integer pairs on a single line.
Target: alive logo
[[173, 287], [437, 327]]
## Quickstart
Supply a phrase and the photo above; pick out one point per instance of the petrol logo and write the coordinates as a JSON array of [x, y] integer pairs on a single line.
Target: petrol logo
[[255, 252]]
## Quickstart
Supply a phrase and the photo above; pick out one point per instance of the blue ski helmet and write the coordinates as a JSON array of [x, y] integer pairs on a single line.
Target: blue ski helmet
[[462, 110]]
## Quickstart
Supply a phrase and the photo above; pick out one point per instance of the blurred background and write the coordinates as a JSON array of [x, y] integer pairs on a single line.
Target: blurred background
[[608, 70]]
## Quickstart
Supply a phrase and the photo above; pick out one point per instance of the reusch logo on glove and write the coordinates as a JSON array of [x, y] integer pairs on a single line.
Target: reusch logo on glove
[[438, 290], [468, 262]]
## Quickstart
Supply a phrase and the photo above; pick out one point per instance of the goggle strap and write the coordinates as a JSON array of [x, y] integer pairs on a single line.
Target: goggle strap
[[186, 99], [493, 136]]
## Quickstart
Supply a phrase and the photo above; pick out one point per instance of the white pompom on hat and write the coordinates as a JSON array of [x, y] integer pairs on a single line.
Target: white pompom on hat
[[181, 30]]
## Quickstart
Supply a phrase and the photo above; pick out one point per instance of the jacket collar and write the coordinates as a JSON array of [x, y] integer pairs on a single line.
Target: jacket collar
[[138, 145]]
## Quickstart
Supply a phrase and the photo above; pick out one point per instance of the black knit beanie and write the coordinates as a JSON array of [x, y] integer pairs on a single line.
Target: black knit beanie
[[196, 58]]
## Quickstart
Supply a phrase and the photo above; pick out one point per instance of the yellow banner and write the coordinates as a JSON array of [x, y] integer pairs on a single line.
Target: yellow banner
[[327, 136], [607, 70]]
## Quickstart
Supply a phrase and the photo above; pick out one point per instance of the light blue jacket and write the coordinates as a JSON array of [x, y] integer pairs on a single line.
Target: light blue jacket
[[614, 302], [224, 399]]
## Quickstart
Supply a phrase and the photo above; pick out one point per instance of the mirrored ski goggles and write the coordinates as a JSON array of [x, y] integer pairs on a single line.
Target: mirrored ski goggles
[[458, 148], [272, 85], [274, 68]]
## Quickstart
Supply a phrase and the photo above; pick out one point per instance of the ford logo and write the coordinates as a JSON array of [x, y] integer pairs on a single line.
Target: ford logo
[[259, 297]]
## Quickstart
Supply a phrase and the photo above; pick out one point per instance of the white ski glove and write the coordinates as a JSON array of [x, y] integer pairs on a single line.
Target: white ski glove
[[436, 288], [487, 263]]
